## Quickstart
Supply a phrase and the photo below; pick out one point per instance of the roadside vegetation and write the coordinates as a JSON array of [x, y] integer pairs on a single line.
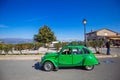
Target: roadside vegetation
[[43, 39], [11, 48], [17, 49], [95, 44]]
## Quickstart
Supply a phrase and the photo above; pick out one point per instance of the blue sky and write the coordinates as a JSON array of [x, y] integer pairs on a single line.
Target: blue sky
[[23, 18]]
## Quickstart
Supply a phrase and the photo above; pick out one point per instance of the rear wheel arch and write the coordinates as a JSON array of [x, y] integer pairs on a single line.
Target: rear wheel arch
[[89, 61]]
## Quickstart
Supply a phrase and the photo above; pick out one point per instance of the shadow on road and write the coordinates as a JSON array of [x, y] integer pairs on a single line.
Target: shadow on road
[[37, 66], [77, 67]]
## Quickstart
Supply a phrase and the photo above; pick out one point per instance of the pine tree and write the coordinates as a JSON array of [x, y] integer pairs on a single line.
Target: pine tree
[[45, 35]]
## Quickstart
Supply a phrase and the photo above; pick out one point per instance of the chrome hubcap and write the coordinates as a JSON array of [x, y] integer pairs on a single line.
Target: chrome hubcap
[[48, 66], [89, 67]]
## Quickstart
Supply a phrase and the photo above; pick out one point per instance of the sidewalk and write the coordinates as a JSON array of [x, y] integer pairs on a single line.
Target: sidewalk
[[106, 56], [20, 57], [38, 57]]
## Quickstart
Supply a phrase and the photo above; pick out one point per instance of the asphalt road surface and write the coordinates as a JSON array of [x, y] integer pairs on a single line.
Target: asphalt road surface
[[109, 69]]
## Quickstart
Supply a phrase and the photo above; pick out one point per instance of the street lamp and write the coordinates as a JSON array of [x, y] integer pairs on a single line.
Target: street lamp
[[84, 22]]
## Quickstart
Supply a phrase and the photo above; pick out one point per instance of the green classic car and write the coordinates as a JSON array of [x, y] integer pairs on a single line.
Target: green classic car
[[69, 56]]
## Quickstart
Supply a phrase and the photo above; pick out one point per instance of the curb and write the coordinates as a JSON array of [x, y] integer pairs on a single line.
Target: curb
[[107, 56], [14, 57]]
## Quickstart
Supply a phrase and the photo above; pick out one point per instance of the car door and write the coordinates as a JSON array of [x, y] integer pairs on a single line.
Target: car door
[[65, 57], [77, 56]]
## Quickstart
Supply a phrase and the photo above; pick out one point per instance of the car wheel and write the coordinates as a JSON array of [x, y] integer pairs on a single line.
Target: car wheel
[[48, 66], [89, 67]]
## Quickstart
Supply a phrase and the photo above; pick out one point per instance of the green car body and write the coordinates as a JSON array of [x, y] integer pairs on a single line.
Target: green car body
[[69, 56]]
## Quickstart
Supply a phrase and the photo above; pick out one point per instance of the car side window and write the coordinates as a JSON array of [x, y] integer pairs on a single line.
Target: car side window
[[76, 51], [86, 51], [66, 51]]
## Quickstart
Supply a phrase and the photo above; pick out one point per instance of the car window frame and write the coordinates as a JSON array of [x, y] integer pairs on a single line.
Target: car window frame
[[64, 49], [83, 49], [77, 51]]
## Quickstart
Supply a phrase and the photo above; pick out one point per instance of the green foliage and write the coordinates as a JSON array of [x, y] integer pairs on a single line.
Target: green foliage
[[6, 48], [1, 48], [76, 43], [24, 46], [64, 44], [81, 43], [28, 46], [37, 45], [19, 47], [58, 45], [45, 35], [96, 44]]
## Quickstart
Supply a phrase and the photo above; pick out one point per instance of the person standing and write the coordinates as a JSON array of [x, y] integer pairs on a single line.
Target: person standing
[[108, 47]]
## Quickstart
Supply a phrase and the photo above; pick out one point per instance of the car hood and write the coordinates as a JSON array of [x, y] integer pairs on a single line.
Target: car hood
[[51, 54]]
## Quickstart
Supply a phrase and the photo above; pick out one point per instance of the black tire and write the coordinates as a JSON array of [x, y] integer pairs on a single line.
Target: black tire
[[48, 66], [89, 68]]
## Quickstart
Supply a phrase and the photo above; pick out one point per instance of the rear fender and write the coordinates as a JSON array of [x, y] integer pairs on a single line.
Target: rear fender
[[90, 61]]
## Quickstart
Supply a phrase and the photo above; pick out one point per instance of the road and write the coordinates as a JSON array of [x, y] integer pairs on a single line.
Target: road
[[109, 69]]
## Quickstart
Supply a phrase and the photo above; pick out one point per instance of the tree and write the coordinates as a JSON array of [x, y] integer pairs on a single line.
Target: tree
[[64, 43], [45, 35], [7, 48], [1, 48], [57, 46], [28, 46], [37, 45], [19, 47], [10, 47], [81, 43], [96, 44]]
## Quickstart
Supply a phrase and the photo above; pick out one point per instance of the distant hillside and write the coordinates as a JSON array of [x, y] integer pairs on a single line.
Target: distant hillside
[[15, 40]]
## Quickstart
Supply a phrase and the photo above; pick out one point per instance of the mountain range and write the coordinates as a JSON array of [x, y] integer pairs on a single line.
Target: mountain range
[[15, 40]]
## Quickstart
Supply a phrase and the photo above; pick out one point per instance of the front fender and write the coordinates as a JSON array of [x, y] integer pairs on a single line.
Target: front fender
[[54, 62]]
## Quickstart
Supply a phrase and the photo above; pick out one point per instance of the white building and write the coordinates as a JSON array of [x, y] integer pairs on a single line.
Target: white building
[[52, 43]]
